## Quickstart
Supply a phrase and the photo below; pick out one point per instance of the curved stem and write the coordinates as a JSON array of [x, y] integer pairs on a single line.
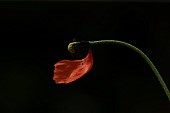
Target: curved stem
[[142, 54]]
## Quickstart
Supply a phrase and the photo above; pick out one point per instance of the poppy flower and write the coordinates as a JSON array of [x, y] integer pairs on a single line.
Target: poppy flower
[[67, 71]]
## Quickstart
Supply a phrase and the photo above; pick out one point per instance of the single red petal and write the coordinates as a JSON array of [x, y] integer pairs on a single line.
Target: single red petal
[[67, 71]]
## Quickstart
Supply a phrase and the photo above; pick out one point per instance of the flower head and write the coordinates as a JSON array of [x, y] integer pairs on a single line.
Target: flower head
[[67, 71]]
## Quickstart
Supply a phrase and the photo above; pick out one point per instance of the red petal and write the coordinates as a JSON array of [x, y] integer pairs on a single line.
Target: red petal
[[67, 71]]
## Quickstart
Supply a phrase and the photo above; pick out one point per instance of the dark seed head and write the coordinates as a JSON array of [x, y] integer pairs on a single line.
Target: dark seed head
[[79, 49]]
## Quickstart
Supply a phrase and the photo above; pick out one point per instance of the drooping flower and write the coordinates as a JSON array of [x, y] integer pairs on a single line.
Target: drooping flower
[[67, 71]]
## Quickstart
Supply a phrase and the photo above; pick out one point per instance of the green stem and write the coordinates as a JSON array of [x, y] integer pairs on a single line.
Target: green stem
[[142, 54]]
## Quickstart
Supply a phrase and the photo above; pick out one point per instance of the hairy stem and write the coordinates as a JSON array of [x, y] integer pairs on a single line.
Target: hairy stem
[[142, 54]]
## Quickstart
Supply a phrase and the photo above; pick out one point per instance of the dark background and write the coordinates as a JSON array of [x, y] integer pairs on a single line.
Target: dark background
[[34, 36]]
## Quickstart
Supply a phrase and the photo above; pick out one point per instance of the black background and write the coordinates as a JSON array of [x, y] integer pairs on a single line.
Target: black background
[[34, 36]]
